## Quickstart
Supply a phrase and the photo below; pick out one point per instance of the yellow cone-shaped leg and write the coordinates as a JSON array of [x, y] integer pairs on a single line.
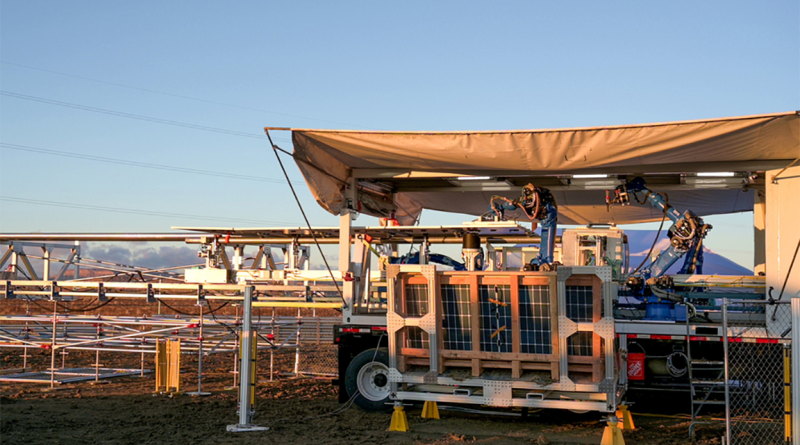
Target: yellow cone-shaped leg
[[430, 410], [627, 419], [399, 421], [612, 434]]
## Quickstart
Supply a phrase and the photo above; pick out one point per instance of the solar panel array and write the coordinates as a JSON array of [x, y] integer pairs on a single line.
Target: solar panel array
[[416, 306], [580, 309], [457, 323], [534, 319], [417, 338], [416, 300], [495, 318]]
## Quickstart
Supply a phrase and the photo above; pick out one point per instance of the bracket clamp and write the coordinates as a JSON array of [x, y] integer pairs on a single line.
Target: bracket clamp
[[10, 291], [151, 295], [101, 293]]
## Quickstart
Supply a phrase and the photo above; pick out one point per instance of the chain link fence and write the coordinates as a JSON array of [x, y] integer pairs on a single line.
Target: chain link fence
[[307, 351], [758, 371]]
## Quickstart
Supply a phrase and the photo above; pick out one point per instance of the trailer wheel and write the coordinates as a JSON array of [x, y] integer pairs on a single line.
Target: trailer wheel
[[368, 374]]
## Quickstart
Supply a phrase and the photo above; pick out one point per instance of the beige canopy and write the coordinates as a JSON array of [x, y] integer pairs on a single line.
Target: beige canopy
[[408, 171]]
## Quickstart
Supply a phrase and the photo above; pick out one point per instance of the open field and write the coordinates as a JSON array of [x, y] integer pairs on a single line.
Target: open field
[[124, 410]]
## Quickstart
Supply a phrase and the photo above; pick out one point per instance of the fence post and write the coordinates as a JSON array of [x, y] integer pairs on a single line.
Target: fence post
[[725, 348], [297, 346], [246, 380], [787, 392], [795, 370]]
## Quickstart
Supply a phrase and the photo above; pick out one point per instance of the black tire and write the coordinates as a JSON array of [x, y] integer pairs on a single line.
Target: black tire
[[351, 380]]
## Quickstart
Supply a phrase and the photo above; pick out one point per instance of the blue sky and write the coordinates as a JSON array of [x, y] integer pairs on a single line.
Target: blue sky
[[240, 66]]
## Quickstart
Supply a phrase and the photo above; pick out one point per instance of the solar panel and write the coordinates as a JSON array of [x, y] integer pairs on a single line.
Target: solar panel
[[416, 300], [495, 325], [417, 338], [580, 307], [457, 322], [534, 319]]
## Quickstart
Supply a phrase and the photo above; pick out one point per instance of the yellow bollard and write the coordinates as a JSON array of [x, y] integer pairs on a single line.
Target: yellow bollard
[[430, 410], [627, 419], [399, 421], [612, 435]]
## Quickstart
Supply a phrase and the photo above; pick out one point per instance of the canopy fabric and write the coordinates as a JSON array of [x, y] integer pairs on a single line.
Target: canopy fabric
[[328, 158]]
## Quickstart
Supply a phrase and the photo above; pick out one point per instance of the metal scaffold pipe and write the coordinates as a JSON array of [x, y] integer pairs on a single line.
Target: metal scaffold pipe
[[150, 237], [200, 238], [393, 240]]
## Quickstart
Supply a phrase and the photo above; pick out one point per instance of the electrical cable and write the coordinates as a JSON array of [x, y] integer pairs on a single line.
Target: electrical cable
[[655, 241], [786, 280], [788, 272], [176, 95], [233, 331], [128, 115], [175, 310], [134, 211], [313, 235], [67, 154], [349, 403]]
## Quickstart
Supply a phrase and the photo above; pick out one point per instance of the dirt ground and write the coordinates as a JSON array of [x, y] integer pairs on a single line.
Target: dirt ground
[[298, 411]]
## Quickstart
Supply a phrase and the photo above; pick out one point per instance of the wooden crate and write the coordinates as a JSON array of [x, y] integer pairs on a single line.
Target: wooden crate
[[474, 358]]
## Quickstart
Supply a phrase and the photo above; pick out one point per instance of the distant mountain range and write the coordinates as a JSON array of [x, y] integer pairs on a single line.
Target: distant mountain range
[[639, 242]]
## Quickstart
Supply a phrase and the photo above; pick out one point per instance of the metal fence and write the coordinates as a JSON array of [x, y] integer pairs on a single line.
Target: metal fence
[[757, 355], [312, 352]]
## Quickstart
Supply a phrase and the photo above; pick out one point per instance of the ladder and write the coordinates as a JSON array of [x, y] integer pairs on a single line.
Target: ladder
[[706, 382]]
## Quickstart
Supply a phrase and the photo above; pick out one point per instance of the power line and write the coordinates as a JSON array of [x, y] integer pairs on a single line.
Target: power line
[[179, 95], [139, 212], [137, 163], [132, 116]]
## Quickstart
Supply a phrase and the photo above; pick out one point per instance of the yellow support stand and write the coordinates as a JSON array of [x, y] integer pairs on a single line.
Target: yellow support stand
[[168, 365], [627, 418], [430, 410], [612, 435], [399, 421]]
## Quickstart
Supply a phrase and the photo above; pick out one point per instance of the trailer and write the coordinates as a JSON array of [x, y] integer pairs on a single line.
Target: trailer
[[579, 335], [492, 312]]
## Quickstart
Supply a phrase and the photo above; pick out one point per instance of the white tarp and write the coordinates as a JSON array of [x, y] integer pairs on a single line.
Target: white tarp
[[327, 158]]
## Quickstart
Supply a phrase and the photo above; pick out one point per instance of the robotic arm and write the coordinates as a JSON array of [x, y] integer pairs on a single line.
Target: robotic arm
[[686, 233], [538, 204], [686, 237]]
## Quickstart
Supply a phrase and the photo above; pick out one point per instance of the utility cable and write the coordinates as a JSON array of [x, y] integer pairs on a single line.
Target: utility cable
[[171, 168], [128, 115], [135, 211], [176, 95], [313, 235]]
